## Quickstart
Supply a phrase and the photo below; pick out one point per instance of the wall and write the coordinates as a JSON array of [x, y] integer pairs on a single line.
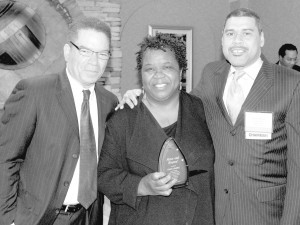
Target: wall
[[280, 24], [51, 58], [205, 17], [52, 13], [108, 11]]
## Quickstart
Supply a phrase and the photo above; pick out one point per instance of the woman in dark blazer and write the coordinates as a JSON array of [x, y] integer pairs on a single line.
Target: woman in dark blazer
[[128, 167]]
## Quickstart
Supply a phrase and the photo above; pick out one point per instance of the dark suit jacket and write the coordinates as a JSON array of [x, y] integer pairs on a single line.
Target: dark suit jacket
[[295, 67], [39, 148], [257, 181], [131, 150]]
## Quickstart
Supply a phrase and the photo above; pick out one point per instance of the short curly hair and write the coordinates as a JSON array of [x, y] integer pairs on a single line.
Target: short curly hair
[[163, 42]]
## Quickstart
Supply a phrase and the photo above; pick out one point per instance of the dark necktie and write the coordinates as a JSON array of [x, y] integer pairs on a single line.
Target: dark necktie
[[235, 96], [87, 193]]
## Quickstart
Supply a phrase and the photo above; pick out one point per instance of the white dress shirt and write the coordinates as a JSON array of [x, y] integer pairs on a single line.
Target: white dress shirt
[[71, 198]]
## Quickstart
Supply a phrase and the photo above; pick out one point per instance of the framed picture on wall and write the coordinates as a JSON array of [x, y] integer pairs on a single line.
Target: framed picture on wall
[[186, 34]]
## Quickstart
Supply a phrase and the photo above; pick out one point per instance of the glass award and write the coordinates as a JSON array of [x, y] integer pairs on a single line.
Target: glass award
[[172, 161]]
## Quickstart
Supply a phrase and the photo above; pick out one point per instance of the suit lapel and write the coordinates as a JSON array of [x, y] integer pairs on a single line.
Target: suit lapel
[[187, 124], [188, 131], [66, 100], [146, 140], [261, 86], [102, 109]]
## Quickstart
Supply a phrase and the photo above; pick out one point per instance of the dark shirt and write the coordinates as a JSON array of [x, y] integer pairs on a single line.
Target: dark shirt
[[295, 67], [171, 130]]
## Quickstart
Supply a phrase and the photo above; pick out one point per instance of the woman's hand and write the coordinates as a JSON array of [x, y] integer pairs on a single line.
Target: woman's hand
[[156, 184], [129, 98]]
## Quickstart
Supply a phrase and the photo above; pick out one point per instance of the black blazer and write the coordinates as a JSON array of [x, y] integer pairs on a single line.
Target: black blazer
[[131, 150]]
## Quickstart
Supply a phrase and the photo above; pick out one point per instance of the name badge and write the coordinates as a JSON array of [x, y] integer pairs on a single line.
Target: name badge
[[258, 125]]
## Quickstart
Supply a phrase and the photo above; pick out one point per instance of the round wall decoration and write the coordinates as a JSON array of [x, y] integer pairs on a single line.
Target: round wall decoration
[[22, 35]]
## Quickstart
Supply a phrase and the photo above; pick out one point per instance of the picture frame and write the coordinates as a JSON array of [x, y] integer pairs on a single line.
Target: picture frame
[[187, 34]]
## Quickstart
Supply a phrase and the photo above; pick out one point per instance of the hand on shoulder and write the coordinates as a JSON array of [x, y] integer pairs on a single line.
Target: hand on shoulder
[[129, 98]]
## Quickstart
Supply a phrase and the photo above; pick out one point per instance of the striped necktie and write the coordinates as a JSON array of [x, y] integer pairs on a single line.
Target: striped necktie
[[87, 192], [235, 96]]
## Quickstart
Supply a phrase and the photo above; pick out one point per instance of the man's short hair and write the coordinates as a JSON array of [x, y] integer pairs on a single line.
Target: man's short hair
[[285, 47], [88, 23], [244, 12]]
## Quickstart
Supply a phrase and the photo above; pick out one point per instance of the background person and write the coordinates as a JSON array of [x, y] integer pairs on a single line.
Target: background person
[[42, 138], [288, 54], [128, 164]]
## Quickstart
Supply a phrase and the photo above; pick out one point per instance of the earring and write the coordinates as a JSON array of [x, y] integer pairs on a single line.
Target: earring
[[143, 93], [180, 83]]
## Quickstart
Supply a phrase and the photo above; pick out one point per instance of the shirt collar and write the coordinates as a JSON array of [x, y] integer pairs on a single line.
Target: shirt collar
[[252, 70], [76, 86]]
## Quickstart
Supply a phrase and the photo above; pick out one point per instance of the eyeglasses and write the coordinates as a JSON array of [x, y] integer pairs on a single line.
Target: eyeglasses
[[88, 53]]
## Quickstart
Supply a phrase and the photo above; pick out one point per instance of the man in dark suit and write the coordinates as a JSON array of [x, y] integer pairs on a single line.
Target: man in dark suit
[[288, 56], [41, 142], [257, 138]]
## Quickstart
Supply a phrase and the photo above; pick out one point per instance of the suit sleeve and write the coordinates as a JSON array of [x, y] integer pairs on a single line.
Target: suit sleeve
[[114, 177], [291, 211], [197, 91], [16, 130]]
